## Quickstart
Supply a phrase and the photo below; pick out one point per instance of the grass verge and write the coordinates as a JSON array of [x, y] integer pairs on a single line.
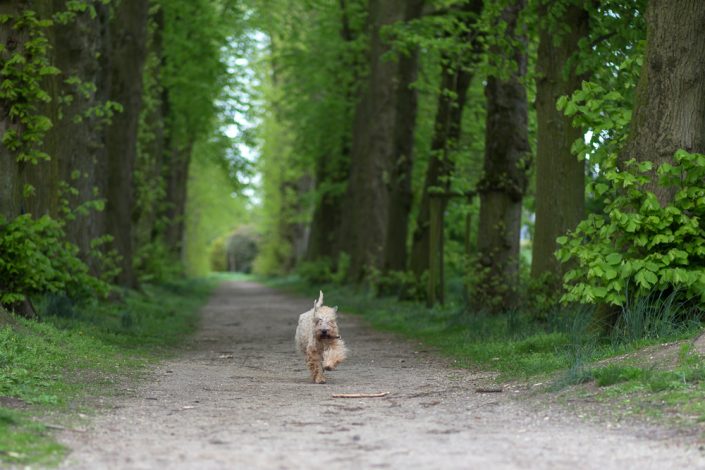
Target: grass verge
[[54, 367], [512, 344], [561, 352]]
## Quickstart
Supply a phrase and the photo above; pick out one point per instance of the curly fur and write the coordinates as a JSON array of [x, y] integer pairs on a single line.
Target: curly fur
[[318, 339]]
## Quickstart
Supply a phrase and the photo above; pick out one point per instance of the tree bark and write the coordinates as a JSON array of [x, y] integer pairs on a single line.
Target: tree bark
[[449, 114], [560, 176], [78, 144], [502, 188], [332, 173], [150, 173], [177, 165], [327, 216], [400, 195], [10, 187], [44, 176], [456, 76], [669, 108], [128, 35], [366, 203]]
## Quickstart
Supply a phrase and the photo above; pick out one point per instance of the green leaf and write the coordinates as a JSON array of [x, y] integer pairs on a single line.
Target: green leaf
[[601, 188], [613, 259]]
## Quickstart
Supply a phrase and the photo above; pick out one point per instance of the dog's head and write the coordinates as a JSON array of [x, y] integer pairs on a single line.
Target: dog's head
[[324, 320]]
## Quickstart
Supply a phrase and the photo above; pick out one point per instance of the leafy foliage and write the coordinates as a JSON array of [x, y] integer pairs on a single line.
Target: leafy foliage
[[638, 242], [36, 258], [22, 90]]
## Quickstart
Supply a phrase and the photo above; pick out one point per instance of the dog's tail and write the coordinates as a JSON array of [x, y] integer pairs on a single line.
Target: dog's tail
[[319, 302]]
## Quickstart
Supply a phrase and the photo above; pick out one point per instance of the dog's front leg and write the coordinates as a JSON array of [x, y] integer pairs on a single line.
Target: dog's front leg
[[314, 356], [334, 354]]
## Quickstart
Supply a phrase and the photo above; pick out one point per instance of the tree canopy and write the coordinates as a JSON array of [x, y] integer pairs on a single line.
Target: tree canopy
[[538, 152]]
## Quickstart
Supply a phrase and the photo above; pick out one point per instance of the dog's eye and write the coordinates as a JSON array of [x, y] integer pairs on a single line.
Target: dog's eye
[[318, 320]]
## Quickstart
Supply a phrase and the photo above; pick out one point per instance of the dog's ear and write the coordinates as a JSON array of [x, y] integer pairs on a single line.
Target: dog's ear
[[319, 302]]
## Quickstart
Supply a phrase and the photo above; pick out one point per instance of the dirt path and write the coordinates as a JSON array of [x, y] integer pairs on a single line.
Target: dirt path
[[240, 398]]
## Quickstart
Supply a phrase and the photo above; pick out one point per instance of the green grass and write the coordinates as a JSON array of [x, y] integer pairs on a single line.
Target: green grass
[[512, 344], [561, 349], [76, 352], [674, 394], [23, 441]]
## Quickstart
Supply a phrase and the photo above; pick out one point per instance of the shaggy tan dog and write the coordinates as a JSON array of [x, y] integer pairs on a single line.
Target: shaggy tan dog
[[318, 338]]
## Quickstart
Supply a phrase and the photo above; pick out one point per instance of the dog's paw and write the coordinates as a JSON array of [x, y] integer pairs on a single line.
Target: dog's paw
[[329, 368], [320, 380]]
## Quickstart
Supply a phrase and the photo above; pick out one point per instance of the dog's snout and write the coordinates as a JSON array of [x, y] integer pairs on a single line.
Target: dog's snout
[[324, 332]]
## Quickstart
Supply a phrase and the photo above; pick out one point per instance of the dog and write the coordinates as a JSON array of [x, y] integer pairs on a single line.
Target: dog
[[318, 339]]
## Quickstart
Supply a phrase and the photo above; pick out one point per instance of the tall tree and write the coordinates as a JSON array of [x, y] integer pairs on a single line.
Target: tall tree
[[150, 185], [77, 138], [13, 40], [363, 231], [669, 108], [456, 75], [192, 72], [127, 55], [333, 169], [507, 158], [400, 195], [560, 176]]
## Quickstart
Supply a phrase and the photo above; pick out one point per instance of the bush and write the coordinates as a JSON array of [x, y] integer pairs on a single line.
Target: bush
[[637, 242], [35, 258], [155, 263], [219, 256], [316, 272], [241, 251], [401, 284], [323, 271]]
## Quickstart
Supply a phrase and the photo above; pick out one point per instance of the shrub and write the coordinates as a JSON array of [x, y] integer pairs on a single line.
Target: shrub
[[242, 248], [219, 255], [638, 242], [323, 271], [35, 258]]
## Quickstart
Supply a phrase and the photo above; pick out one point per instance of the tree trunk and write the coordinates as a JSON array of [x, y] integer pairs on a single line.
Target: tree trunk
[[400, 195], [327, 216], [10, 187], [150, 174], [456, 76], [507, 158], [449, 114], [79, 145], [177, 166], [129, 34], [560, 176], [44, 176], [332, 172], [669, 108], [293, 228], [366, 204]]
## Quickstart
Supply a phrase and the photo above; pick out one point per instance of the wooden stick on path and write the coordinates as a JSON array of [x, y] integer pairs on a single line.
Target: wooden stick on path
[[489, 390], [360, 395]]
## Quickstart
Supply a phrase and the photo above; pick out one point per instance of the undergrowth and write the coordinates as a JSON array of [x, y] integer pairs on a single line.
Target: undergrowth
[[561, 348]]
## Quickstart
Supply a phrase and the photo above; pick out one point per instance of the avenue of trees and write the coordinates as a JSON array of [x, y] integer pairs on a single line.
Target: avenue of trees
[[549, 149], [109, 110], [543, 151]]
